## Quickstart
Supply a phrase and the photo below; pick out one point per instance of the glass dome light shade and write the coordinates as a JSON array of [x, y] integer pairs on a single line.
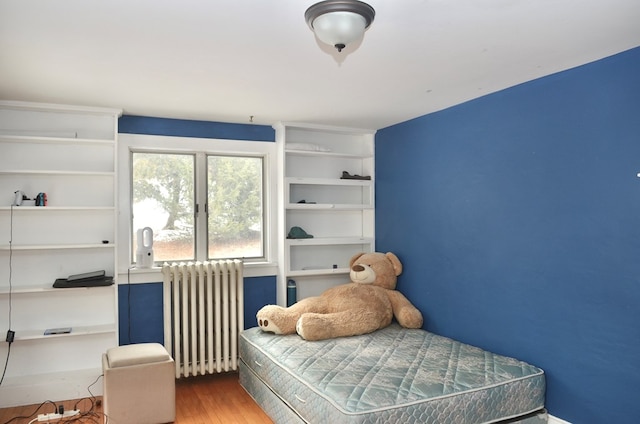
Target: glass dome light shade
[[339, 28]]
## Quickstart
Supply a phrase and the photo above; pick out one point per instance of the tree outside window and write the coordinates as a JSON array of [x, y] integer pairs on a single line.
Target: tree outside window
[[230, 219]]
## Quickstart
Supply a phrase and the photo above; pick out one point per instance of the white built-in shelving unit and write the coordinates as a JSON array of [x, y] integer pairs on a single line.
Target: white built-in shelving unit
[[339, 213], [69, 153]]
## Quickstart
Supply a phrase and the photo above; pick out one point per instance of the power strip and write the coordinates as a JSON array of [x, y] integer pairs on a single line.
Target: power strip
[[55, 416]]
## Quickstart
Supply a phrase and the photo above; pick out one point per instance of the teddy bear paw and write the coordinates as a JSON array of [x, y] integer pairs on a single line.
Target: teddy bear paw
[[269, 326], [272, 319]]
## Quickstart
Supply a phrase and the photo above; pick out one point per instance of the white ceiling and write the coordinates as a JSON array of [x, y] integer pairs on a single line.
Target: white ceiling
[[227, 60]]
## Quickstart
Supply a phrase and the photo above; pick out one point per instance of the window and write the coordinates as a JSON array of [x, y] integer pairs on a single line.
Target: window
[[166, 200], [250, 159]]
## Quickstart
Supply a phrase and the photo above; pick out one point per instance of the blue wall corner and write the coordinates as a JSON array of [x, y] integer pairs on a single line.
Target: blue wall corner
[[519, 229]]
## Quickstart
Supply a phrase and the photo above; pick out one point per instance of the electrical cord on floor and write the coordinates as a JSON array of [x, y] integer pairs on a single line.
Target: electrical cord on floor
[[89, 416], [93, 397], [26, 417]]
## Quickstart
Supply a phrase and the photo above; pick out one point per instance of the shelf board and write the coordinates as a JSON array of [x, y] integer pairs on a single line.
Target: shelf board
[[313, 272], [57, 208], [75, 332], [321, 129], [327, 206], [57, 108], [320, 154], [37, 139], [323, 241], [328, 181], [40, 289], [56, 172], [59, 246]]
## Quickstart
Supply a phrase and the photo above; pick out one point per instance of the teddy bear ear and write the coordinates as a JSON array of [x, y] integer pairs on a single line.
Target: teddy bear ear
[[397, 265], [355, 258]]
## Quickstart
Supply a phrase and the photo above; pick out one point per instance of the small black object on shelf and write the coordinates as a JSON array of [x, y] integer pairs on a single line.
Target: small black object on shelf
[[87, 279], [347, 176]]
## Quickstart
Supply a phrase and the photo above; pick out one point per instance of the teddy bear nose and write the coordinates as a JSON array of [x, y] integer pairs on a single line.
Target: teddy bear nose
[[358, 268]]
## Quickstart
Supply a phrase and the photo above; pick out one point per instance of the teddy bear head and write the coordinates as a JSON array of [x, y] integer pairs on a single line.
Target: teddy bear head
[[380, 269]]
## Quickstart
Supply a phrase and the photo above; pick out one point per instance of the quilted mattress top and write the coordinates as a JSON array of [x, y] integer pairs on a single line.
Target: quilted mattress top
[[397, 367]]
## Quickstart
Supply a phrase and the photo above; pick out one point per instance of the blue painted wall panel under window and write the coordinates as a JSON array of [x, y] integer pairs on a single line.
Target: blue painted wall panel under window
[[517, 218], [140, 313], [140, 308]]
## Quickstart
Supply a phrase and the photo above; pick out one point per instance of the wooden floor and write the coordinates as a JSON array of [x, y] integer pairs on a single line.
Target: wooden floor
[[212, 399]]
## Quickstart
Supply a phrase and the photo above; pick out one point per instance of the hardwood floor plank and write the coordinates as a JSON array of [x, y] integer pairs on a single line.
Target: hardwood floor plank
[[211, 399]]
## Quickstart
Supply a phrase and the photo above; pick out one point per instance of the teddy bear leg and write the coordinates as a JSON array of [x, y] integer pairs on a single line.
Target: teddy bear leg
[[312, 326], [278, 320]]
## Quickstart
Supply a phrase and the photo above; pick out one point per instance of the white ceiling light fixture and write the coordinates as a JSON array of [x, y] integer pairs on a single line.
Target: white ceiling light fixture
[[339, 22]]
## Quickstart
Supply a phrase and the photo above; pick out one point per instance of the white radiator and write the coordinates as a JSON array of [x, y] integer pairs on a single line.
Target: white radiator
[[203, 314]]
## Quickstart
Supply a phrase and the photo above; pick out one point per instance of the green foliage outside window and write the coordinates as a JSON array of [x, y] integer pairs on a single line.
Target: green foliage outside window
[[164, 193]]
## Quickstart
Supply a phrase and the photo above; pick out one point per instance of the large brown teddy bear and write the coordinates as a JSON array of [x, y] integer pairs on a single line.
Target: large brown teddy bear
[[365, 305]]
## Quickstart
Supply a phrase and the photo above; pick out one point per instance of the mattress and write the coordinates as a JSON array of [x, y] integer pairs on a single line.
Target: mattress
[[391, 375]]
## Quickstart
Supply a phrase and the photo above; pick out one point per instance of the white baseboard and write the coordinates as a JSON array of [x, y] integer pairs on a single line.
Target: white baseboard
[[35, 389], [554, 420]]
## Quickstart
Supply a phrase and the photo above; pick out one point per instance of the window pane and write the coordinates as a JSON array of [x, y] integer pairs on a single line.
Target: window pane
[[235, 221], [163, 199]]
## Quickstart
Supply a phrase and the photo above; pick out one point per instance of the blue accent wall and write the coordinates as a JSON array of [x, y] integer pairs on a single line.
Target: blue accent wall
[[140, 308], [517, 218]]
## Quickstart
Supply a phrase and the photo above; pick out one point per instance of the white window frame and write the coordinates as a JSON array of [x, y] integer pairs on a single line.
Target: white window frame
[[191, 145]]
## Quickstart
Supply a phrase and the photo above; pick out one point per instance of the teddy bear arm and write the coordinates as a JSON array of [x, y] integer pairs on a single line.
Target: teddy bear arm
[[406, 314]]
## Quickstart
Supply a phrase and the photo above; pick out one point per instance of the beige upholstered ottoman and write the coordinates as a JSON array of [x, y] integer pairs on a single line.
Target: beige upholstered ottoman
[[139, 384]]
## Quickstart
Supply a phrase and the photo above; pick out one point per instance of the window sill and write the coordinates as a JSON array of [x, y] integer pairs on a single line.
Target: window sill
[[154, 275]]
